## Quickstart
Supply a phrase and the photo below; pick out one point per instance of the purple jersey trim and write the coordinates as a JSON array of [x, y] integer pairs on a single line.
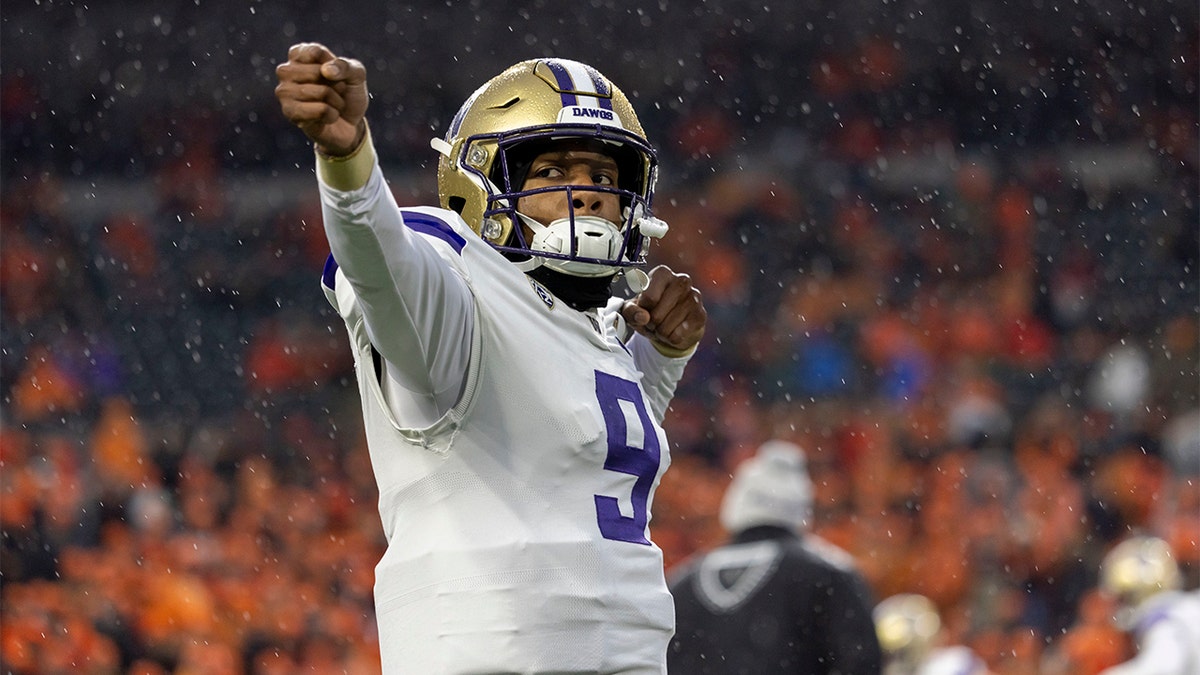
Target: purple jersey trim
[[1157, 614], [434, 227], [329, 275], [417, 222]]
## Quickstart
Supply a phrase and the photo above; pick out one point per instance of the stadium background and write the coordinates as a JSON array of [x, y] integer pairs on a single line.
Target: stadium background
[[949, 248]]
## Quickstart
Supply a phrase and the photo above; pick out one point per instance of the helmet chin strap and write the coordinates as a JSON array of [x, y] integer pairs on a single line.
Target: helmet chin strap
[[649, 226]]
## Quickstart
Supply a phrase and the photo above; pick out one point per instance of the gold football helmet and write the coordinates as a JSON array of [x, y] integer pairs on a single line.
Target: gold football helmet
[[522, 111], [907, 625], [1136, 569]]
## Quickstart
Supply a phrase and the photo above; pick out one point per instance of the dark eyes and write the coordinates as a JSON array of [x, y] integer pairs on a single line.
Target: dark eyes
[[554, 172]]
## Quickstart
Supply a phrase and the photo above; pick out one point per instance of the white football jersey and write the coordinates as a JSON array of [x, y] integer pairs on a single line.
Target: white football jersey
[[1167, 629], [517, 522]]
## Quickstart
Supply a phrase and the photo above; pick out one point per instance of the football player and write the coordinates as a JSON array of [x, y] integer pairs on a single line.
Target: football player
[[512, 407], [910, 633], [1141, 575]]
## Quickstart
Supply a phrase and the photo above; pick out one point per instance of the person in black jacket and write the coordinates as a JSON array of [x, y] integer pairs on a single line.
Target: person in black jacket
[[776, 598]]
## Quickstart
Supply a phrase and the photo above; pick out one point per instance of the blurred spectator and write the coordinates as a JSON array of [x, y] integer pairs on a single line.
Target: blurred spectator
[[775, 599], [1092, 644]]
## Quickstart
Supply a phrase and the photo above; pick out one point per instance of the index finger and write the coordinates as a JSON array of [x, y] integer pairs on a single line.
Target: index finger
[[667, 300], [651, 295], [309, 52]]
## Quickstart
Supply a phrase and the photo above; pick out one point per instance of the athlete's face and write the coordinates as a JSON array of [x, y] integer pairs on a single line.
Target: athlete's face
[[575, 167]]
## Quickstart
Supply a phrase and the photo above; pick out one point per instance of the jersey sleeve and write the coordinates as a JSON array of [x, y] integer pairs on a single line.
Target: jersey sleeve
[[418, 310], [660, 373]]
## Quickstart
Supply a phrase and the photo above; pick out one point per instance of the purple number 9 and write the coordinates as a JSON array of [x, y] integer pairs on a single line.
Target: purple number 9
[[641, 462]]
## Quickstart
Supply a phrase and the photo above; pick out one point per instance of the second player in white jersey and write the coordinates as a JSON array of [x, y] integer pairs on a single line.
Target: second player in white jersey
[[1143, 577]]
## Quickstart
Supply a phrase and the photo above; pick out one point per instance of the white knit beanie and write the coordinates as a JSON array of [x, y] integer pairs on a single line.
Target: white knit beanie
[[770, 488]]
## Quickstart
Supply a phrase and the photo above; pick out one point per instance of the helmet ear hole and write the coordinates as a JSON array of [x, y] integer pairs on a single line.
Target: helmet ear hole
[[630, 168], [456, 204]]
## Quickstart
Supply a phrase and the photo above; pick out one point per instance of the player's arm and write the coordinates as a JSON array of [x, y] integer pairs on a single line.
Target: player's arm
[[669, 320], [418, 312]]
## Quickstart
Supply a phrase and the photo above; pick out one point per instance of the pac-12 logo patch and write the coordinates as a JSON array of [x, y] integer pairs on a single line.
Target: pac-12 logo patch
[[544, 294]]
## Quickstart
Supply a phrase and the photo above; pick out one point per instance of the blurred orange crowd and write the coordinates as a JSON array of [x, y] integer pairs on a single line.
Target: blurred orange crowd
[[989, 354], [245, 543]]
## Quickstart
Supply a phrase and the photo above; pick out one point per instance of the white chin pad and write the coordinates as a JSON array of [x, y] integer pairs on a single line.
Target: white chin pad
[[594, 238]]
